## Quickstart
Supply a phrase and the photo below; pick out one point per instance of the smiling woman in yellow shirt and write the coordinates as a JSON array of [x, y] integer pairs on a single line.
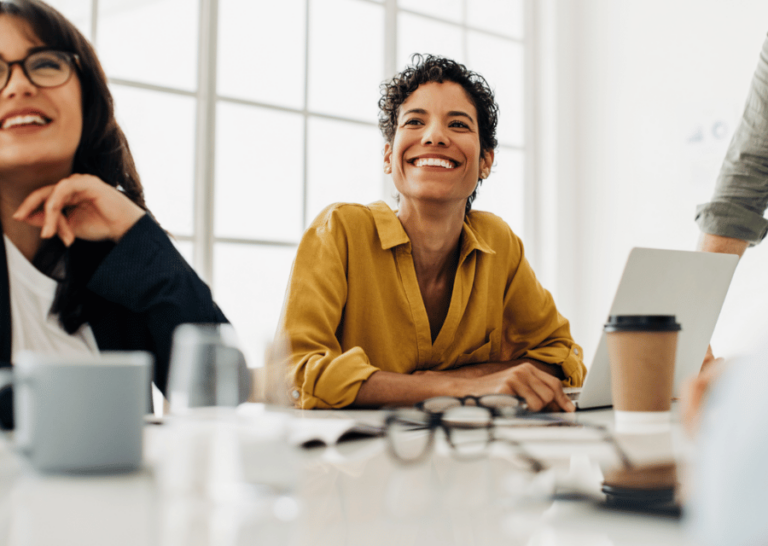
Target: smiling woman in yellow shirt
[[389, 308]]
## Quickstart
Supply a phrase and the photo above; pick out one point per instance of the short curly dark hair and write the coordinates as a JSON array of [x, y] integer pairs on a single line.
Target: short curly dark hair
[[433, 68]]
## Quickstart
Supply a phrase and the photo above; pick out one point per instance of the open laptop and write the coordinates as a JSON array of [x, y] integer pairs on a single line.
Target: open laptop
[[690, 285]]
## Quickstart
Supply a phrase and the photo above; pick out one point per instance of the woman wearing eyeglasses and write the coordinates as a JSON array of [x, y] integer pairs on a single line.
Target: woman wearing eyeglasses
[[391, 308], [86, 268]]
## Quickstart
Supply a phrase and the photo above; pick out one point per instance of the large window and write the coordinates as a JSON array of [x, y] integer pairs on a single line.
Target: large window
[[246, 118]]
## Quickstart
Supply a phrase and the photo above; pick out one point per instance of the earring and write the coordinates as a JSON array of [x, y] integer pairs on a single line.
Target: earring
[[387, 169]]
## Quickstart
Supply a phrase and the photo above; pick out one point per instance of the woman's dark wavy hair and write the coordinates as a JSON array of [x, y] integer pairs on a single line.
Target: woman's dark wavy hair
[[432, 68], [102, 152]]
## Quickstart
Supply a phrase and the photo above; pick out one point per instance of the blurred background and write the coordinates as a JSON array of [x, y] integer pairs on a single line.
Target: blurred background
[[247, 117]]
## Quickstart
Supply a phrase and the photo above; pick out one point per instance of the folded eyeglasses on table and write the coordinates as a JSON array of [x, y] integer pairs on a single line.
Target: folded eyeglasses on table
[[470, 425]]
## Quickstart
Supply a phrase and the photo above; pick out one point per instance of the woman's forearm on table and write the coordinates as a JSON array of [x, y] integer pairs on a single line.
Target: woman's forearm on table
[[398, 389], [471, 371], [402, 389]]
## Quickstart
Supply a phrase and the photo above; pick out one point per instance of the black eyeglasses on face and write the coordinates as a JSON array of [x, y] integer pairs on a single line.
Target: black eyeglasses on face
[[46, 68]]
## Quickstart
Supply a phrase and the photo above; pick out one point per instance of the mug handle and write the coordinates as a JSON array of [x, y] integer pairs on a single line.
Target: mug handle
[[6, 395], [24, 412], [6, 377]]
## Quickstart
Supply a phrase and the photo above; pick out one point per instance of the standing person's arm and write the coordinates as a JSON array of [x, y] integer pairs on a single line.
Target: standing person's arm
[[734, 217], [724, 245], [733, 220]]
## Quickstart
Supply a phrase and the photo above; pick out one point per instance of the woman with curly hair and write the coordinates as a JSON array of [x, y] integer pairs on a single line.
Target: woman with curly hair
[[85, 268], [393, 307]]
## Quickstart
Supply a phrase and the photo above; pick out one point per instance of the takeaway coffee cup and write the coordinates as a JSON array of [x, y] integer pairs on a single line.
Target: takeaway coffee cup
[[83, 413], [641, 349]]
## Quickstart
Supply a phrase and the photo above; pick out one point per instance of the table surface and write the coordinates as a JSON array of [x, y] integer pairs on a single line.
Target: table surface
[[203, 484]]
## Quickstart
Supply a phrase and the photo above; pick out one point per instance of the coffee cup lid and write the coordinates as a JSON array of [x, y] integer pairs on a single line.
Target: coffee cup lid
[[642, 323]]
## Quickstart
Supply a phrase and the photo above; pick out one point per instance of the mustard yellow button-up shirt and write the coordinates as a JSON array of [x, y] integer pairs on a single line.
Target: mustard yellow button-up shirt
[[354, 307]]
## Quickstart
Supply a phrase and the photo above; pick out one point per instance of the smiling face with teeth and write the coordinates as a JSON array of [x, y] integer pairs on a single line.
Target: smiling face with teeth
[[40, 128], [435, 156]]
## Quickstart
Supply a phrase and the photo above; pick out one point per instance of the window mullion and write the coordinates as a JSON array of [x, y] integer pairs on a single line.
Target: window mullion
[[390, 69], [305, 142], [94, 20], [464, 32], [205, 140], [531, 188], [390, 38]]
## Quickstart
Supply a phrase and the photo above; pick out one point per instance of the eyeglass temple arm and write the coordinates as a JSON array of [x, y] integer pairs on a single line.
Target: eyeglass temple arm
[[606, 436], [611, 439], [535, 464]]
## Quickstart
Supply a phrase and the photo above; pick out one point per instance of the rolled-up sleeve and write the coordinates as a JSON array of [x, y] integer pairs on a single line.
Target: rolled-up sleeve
[[534, 328], [741, 192], [322, 375]]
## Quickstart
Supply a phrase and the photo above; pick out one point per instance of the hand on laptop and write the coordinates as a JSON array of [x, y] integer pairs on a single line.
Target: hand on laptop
[[541, 390], [537, 382]]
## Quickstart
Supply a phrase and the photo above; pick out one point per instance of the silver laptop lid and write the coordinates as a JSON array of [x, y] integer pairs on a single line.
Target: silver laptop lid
[[690, 285]]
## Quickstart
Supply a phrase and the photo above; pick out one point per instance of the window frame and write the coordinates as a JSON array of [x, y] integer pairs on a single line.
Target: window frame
[[203, 238]]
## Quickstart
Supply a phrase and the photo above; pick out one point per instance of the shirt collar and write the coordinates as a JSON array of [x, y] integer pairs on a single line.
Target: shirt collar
[[392, 234], [471, 240]]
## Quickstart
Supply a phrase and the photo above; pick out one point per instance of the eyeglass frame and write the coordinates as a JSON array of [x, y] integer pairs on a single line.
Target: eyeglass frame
[[436, 421], [72, 59], [521, 409]]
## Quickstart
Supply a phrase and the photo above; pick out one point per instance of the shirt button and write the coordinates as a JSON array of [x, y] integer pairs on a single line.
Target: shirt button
[[576, 352], [295, 395]]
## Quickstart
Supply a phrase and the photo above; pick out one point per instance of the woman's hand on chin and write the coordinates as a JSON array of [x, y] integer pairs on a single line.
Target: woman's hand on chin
[[80, 206]]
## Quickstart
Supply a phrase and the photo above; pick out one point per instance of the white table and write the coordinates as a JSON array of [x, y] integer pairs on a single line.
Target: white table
[[350, 495]]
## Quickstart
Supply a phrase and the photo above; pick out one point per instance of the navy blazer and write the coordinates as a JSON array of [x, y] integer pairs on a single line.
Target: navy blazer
[[136, 297]]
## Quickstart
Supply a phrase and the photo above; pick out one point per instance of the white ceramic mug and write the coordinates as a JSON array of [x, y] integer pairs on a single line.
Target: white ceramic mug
[[83, 413]]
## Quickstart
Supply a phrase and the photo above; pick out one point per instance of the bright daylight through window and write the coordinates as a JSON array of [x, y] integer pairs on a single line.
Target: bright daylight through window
[[247, 118]]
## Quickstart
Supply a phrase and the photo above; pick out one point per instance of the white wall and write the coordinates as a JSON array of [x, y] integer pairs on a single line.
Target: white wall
[[632, 92]]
